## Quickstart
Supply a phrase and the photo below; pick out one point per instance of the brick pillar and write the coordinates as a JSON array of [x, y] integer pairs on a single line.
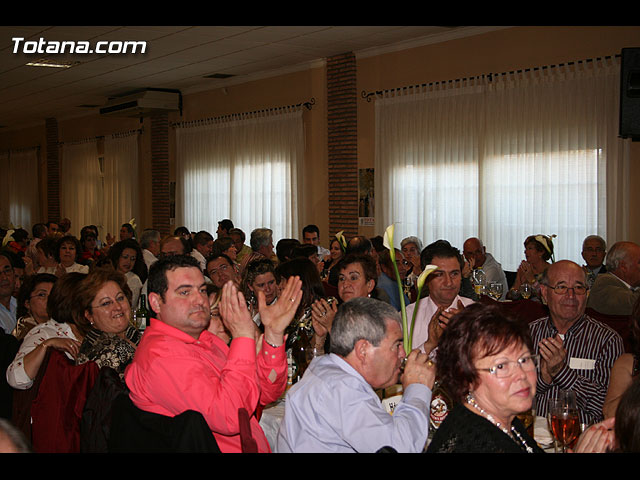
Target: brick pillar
[[53, 171], [160, 194], [342, 144]]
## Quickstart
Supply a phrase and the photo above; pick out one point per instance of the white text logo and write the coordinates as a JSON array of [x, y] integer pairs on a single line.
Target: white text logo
[[82, 47]]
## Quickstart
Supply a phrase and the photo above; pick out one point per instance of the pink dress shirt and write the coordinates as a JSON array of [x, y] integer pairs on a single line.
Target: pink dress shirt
[[172, 372]]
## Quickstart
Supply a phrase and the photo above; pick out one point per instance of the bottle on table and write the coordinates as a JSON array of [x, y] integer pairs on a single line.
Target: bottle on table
[[142, 314]]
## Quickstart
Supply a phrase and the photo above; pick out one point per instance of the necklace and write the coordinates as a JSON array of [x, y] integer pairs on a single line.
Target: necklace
[[511, 433]]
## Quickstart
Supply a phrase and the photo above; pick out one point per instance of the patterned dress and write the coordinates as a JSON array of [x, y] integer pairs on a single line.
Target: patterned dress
[[109, 349]]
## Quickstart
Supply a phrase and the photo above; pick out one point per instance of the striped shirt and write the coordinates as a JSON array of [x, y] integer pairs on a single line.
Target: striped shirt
[[592, 348]]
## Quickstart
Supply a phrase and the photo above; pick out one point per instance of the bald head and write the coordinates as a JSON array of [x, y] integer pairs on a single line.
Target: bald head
[[172, 246], [474, 249], [565, 307]]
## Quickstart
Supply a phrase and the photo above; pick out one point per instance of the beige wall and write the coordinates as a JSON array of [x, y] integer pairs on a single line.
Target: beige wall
[[494, 52]]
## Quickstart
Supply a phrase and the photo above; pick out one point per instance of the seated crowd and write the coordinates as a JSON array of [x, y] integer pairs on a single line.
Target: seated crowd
[[225, 316]]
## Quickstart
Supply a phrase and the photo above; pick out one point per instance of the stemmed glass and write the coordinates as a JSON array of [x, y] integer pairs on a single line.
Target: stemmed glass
[[495, 290], [565, 421], [525, 290]]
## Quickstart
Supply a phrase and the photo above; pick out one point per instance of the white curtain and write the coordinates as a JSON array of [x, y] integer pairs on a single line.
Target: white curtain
[[526, 153], [120, 174], [244, 169], [19, 197], [81, 181], [426, 170]]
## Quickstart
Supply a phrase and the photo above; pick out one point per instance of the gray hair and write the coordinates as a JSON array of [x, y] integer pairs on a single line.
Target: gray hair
[[595, 237], [618, 254], [14, 436], [149, 236], [260, 237], [415, 240], [360, 318]]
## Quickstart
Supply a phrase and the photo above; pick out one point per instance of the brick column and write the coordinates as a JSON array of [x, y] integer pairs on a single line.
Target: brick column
[[53, 171], [342, 144], [160, 195]]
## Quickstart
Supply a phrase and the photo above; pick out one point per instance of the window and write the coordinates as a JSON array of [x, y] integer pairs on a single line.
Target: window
[[526, 153], [245, 170]]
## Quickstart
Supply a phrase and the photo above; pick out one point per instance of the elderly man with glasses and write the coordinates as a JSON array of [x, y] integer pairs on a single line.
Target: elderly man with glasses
[[576, 351]]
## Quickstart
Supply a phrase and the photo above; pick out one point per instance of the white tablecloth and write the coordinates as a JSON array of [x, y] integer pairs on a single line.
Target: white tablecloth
[[270, 421]]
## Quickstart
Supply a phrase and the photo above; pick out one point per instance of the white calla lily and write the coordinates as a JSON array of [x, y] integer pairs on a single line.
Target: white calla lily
[[341, 240], [423, 276], [387, 241]]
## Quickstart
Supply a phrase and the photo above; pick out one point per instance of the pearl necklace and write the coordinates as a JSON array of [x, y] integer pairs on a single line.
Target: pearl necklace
[[472, 401]]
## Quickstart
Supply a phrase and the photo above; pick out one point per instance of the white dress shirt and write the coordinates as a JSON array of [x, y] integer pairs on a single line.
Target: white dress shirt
[[425, 311]]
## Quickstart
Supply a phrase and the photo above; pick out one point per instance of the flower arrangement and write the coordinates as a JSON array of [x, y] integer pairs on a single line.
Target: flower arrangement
[[407, 329]]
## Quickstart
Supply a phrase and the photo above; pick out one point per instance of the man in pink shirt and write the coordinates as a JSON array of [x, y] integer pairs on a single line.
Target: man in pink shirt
[[180, 365]]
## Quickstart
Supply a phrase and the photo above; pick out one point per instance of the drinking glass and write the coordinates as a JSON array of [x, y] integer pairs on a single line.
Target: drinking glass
[[495, 290], [565, 421], [479, 280], [525, 290]]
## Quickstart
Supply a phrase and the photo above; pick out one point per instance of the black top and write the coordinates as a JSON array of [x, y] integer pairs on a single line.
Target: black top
[[464, 431]]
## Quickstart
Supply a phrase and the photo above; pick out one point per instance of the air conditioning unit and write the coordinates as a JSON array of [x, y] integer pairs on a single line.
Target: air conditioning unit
[[143, 104]]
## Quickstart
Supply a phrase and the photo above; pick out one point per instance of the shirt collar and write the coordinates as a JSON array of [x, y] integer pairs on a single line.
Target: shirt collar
[[574, 327], [161, 328]]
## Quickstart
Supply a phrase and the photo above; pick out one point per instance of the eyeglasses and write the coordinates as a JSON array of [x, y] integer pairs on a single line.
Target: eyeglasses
[[108, 303], [527, 363], [221, 268], [8, 271], [562, 289]]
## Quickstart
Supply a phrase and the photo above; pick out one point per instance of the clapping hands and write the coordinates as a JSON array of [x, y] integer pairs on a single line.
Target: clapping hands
[[277, 316]]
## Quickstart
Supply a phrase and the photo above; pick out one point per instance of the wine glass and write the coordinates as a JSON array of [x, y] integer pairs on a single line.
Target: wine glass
[[565, 421], [525, 290], [495, 290]]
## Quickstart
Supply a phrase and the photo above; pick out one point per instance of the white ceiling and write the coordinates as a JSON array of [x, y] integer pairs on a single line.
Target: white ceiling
[[177, 57]]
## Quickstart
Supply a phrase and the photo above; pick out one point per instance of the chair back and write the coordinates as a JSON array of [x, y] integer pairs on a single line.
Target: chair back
[[136, 431], [620, 323], [57, 409], [96, 416]]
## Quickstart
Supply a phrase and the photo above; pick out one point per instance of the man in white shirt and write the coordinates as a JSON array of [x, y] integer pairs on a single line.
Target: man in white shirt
[[150, 244], [311, 235], [202, 246], [8, 303], [335, 409], [476, 253], [443, 301]]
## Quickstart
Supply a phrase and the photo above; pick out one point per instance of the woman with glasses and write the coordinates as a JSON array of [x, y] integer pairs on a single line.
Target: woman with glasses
[[102, 312], [259, 275], [60, 333], [485, 361], [32, 303]]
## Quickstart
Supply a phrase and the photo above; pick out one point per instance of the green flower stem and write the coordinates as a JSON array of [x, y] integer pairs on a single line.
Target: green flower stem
[[406, 335]]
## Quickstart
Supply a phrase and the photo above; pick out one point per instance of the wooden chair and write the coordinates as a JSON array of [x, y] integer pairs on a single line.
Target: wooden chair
[[620, 323], [524, 310]]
